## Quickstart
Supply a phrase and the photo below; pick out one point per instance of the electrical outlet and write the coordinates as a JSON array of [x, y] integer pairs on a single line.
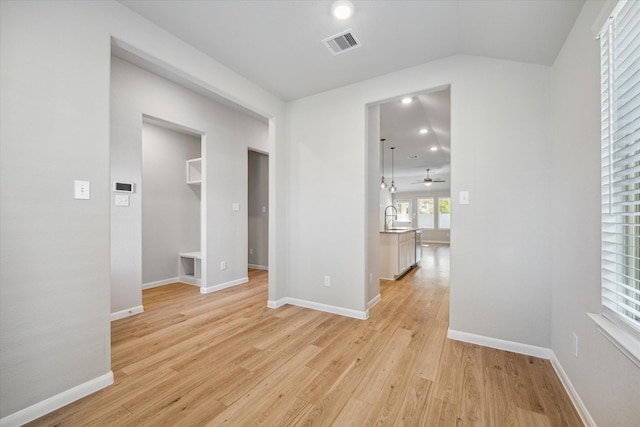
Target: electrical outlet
[[223, 265], [327, 281], [250, 251], [576, 347]]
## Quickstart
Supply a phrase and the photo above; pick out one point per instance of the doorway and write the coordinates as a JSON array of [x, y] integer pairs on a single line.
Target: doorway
[[257, 210], [172, 205], [226, 131], [409, 146]]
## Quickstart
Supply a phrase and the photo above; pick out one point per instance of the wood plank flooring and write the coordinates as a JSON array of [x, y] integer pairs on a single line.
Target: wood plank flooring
[[226, 359]]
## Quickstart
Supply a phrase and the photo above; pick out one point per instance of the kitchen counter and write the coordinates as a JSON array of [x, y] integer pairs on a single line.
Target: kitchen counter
[[397, 252], [398, 230]]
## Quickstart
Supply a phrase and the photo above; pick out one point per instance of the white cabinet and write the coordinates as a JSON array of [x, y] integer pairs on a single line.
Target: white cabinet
[[397, 253], [407, 251], [194, 171]]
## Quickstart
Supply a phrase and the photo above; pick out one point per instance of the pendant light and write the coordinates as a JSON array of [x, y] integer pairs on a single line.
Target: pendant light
[[393, 188], [383, 184]]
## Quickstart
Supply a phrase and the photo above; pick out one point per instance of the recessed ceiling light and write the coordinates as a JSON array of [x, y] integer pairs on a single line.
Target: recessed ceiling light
[[342, 9], [407, 100], [423, 131], [434, 148]]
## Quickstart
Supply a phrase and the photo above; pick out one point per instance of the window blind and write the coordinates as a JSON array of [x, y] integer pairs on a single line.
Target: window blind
[[620, 84]]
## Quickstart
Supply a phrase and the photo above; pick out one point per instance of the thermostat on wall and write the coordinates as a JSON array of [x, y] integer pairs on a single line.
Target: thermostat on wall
[[123, 187]]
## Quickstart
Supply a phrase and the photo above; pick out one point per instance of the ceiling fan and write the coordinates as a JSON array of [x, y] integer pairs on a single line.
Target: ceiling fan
[[428, 180]]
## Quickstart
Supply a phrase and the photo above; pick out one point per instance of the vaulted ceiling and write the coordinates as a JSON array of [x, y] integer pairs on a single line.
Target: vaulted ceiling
[[277, 45]]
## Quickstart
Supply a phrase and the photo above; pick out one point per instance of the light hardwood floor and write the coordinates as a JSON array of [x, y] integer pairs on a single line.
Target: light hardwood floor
[[227, 359]]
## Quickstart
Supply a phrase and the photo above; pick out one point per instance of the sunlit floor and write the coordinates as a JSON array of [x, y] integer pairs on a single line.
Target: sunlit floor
[[228, 359], [436, 258]]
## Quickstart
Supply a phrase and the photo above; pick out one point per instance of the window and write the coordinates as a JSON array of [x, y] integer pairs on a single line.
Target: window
[[404, 210], [444, 213], [620, 166], [426, 218]]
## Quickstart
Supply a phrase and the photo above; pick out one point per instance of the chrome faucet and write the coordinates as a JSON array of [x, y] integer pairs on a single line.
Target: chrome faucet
[[394, 216]]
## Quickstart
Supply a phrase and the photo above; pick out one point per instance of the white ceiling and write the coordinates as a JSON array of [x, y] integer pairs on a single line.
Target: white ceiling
[[400, 125], [277, 45]]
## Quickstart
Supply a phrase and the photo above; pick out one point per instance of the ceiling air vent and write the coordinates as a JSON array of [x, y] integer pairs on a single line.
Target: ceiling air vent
[[341, 43]]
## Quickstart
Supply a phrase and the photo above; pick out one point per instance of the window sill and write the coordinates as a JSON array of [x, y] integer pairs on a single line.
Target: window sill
[[626, 343]]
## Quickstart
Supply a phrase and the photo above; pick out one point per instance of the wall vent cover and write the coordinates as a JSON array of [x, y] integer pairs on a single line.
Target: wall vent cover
[[341, 43]]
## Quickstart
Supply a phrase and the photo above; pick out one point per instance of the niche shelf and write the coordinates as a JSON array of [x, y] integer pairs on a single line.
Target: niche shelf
[[194, 171], [190, 268]]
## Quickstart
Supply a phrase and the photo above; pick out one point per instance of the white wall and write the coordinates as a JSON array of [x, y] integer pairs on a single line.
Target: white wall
[[607, 382], [372, 269], [170, 207], [500, 284], [54, 277], [54, 110], [258, 203], [326, 203], [227, 135]]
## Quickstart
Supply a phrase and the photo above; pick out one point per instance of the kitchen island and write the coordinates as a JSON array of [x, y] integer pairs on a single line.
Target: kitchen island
[[398, 252]]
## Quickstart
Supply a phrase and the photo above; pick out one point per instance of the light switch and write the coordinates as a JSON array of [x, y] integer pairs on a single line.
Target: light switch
[[236, 207], [464, 197], [81, 190], [122, 200]]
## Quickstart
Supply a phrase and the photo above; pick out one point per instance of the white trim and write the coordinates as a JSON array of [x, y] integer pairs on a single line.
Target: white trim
[[127, 312], [516, 347], [530, 350], [624, 342], [435, 241], [571, 391], [373, 301], [209, 289], [58, 401], [160, 283], [277, 303], [259, 267], [603, 17], [190, 280], [362, 315]]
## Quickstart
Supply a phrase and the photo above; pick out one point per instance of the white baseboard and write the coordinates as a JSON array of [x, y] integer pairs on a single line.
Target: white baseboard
[[259, 267], [190, 280], [58, 401], [373, 301], [209, 289], [529, 350], [277, 303], [571, 391], [127, 312], [362, 315], [160, 283]]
